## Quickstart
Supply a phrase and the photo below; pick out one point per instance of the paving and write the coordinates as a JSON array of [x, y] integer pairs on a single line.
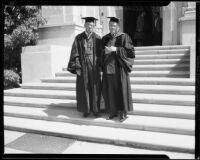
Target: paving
[[118, 136], [28, 143]]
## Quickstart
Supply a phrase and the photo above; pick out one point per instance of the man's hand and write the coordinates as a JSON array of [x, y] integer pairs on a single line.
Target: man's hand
[[110, 49], [113, 49], [101, 73], [107, 50], [78, 72]]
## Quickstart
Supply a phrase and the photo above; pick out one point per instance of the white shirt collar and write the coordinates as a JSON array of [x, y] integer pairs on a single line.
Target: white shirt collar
[[88, 35]]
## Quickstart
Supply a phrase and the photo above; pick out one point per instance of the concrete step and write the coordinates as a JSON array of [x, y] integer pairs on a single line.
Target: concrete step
[[43, 144], [41, 93], [137, 97], [169, 67], [170, 111], [39, 102], [170, 47], [155, 67], [158, 110], [49, 86], [166, 51], [118, 136], [134, 80], [136, 122], [174, 74], [168, 99], [162, 89], [181, 74], [162, 56], [162, 61]]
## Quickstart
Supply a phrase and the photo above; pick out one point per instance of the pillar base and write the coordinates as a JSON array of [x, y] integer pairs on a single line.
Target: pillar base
[[42, 61]]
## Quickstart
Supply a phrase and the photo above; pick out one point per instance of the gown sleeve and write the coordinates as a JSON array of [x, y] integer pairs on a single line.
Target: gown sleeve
[[102, 57], [126, 53], [74, 65], [99, 52]]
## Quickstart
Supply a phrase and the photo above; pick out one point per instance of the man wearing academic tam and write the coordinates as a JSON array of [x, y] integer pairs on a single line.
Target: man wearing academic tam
[[117, 60], [85, 63]]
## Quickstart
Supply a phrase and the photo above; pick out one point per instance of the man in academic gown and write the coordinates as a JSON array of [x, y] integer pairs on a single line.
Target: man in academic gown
[[139, 34], [117, 59], [85, 63], [157, 29]]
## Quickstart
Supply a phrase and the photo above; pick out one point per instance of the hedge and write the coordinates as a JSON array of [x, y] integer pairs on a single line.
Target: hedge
[[11, 79]]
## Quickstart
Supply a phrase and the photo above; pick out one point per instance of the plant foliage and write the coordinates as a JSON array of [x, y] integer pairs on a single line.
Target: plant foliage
[[11, 79], [20, 29]]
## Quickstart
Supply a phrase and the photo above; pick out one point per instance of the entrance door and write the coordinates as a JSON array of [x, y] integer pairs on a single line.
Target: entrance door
[[145, 36]]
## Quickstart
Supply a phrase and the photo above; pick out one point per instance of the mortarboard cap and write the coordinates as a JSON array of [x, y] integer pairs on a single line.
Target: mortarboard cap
[[114, 19], [90, 19]]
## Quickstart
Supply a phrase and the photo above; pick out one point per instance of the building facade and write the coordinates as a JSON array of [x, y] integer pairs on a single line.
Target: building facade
[[64, 23], [67, 19]]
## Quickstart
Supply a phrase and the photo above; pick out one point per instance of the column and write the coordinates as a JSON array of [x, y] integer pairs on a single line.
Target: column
[[188, 32], [42, 61], [62, 25], [170, 24]]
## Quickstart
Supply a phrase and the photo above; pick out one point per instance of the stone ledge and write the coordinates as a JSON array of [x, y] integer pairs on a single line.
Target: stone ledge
[[60, 25], [43, 48], [42, 60], [187, 18], [67, 24]]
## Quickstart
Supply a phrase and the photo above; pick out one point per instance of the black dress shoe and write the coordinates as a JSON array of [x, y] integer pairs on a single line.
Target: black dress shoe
[[122, 118], [111, 117], [86, 114], [125, 115]]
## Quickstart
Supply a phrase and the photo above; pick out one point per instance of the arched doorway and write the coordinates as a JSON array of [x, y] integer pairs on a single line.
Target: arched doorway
[[130, 17]]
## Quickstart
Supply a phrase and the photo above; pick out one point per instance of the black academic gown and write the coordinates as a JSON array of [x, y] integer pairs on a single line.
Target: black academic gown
[[88, 73], [116, 67]]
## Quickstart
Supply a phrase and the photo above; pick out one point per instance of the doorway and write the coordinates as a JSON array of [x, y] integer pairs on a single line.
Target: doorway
[[130, 17]]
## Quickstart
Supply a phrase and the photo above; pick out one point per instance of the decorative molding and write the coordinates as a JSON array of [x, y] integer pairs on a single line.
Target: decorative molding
[[62, 25], [189, 14], [189, 18]]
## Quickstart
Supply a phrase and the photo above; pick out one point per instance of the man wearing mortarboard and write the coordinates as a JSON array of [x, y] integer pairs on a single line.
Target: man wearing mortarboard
[[85, 63], [117, 59]]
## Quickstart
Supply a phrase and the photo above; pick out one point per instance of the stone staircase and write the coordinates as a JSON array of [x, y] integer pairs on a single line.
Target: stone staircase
[[163, 99]]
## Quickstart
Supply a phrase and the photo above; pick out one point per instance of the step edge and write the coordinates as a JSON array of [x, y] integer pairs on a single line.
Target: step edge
[[104, 140], [140, 127]]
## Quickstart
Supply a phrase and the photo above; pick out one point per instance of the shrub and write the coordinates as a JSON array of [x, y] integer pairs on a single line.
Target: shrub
[[11, 79], [20, 29]]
